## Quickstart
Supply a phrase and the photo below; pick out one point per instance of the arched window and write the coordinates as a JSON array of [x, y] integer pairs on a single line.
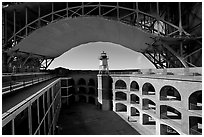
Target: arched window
[[195, 100], [195, 125], [81, 81], [134, 112], [148, 105], [148, 89], [134, 99], [148, 120], [167, 130], [169, 93], [120, 96], [134, 86], [120, 84], [91, 82], [167, 112], [121, 107]]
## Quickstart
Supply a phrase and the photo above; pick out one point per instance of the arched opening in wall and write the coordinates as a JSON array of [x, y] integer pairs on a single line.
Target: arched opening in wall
[[71, 82], [167, 130], [91, 100], [195, 125], [169, 93], [120, 84], [71, 90], [148, 120], [134, 86], [82, 90], [195, 100], [134, 112], [119, 95], [167, 112], [81, 81], [148, 104], [91, 91], [91, 82], [82, 98], [134, 99], [121, 107], [71, 99], [148, 89]]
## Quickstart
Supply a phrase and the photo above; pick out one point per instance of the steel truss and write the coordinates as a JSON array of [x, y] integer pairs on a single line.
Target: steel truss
[[158, 18]]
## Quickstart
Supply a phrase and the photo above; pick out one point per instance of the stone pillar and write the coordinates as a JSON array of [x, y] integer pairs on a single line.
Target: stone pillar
[[158, 127], [185, 123], [105, 91], [141, 118], [128, 104]]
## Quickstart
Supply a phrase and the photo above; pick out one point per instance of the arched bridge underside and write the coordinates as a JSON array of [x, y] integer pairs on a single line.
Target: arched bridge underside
[[36, 33]]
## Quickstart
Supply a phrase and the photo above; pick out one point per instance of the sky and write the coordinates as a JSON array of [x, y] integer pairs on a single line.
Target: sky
[[85, 57]]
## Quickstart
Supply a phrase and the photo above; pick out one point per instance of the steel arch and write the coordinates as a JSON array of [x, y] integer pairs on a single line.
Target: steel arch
[[168, 31]]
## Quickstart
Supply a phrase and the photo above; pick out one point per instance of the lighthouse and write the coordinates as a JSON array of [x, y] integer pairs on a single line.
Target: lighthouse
[[104, 84], [103, 68]]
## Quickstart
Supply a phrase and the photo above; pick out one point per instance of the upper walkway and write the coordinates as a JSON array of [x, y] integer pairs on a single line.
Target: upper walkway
[[13, 99]]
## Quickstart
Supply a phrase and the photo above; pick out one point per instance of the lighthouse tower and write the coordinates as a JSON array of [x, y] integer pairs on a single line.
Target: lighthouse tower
[[104, 84], [103, 68]]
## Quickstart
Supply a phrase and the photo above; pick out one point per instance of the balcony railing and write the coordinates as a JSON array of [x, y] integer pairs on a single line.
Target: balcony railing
[[195, 107], [169, 98], [18, 84], [194, 132], [120, 87]]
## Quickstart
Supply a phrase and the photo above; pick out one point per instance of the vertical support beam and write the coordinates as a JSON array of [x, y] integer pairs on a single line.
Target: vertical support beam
[[44, 114], [118, 13], [4, 27], [39, 16], [158, 18], [137, 13], [30, 119], [26, 20], [45, 63], [52, 11], [13, 126], [82, 8], [180, 29], [38, 113], [14, 25], [53, 112], [180, 21], [99, 8], [67, 7]]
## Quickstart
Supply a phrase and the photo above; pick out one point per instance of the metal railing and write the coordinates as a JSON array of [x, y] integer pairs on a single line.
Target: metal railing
[[163, 98], [120, 87], [19, 84], [195, 107], [194, 132]]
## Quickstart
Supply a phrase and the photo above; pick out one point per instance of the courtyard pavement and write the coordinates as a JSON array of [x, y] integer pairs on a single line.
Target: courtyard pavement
[[86, 119]]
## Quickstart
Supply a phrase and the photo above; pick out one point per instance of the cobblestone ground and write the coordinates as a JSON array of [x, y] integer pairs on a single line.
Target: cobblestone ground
[[86, 119]]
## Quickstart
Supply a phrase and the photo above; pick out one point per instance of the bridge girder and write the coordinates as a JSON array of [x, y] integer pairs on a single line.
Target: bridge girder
[[182, 28]]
